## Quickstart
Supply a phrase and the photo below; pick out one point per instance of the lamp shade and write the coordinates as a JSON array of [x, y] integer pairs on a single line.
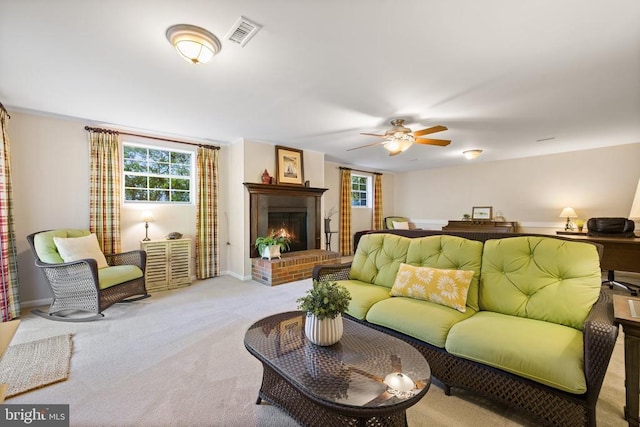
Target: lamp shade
[[146, 216], [194, 44], [635, 207], [568, 213]]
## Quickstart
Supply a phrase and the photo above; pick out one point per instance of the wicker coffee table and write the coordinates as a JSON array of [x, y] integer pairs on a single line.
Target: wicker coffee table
[[343, 384]]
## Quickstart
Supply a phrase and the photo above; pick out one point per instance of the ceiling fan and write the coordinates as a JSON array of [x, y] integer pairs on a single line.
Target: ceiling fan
[[399, 138]]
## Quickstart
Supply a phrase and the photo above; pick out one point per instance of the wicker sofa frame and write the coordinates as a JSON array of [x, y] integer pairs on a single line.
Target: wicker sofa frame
[[544, 404], [75, 285]]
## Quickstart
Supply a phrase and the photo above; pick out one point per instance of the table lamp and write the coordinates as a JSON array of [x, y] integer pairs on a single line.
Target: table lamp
[[146, 218], [568, 213], [634, 215]]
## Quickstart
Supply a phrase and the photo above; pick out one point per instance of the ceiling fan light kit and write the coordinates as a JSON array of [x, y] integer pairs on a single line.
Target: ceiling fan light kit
[[196, 45], [399, 138]]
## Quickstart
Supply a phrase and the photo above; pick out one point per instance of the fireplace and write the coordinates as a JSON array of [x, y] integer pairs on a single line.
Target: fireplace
[[287, 209], [291, 223]]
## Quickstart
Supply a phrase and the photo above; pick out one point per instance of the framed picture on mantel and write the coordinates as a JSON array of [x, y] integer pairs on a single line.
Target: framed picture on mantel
[[482, 212], [289, 167]]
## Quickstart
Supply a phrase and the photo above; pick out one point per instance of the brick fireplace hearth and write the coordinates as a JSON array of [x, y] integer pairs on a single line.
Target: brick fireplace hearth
[[293, 266]]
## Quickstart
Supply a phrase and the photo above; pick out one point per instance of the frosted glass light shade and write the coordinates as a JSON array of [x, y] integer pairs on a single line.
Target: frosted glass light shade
[[194, 44], [472, 154]]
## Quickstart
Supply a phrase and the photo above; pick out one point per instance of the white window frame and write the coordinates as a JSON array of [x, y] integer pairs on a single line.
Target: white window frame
[[368, 191], [192, 176]]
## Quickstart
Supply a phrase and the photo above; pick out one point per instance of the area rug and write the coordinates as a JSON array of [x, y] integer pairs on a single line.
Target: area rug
[[36, 364]]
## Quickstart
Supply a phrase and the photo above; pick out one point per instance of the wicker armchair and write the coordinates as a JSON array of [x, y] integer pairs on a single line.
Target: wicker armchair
[[79, 287]]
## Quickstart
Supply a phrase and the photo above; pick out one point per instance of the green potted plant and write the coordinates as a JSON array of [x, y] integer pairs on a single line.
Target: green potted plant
[[466, 217], [270, 246], [324, 304]]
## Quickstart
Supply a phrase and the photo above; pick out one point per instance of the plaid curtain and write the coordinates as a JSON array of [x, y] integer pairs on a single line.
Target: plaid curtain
[[377, 201], [104, 190], [9, 299], [207, 253], [345, 212]]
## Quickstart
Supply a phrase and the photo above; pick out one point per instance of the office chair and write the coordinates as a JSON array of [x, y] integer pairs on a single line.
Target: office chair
[[613, 227]]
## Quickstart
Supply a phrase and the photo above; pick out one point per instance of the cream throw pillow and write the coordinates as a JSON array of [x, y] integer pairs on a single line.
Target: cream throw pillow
[[400, 225], [445, 287], [75, 248]]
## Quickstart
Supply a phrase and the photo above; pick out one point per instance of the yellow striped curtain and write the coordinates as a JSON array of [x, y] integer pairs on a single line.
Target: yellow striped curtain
[[377, 201], [207, 253], [104, 190], [345, 212], [9, 296]]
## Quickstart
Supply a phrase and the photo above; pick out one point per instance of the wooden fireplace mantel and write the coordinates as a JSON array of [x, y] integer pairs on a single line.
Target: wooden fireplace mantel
[[261, 195], [289, 190]]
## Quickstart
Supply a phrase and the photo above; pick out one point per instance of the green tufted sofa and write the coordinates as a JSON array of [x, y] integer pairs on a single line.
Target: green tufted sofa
[[537, 331]]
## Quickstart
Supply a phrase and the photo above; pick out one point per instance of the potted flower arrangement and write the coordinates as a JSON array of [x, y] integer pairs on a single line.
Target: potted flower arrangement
[[324, 304], [270, 246]]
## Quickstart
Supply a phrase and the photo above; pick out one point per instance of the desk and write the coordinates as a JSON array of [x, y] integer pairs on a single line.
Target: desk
[[620, 254], [631, 329], [327, 239]]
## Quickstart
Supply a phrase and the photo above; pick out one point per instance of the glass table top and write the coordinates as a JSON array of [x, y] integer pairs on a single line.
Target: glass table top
[[354, 372]]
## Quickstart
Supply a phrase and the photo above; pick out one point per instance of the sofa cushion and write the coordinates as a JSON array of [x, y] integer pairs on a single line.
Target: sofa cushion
[[378, 258], [117, 274], [46, 248], [363, 296], [446, 287], [449, 252], [77, 248], [540, 278], [400, 225], [424, 320], [544, 352]]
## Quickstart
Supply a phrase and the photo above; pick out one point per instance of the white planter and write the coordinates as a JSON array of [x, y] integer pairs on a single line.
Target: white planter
[[323, 332], [270, 252]]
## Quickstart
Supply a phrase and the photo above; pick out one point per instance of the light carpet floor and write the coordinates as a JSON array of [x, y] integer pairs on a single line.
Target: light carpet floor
[[31, 365], [178, 359]]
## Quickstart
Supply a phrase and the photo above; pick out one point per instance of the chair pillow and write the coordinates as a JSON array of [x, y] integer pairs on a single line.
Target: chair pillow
[[400, 225], [444, 287], [76, 248]]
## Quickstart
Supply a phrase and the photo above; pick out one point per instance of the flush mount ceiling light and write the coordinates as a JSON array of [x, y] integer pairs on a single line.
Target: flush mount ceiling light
[[472, 154], [194, 44]]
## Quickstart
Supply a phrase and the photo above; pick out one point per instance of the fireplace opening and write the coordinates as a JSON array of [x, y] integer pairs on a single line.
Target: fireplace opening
[[291, 224]]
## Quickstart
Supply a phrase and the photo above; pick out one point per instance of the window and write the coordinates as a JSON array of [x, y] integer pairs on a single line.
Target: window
[[360, 190], [157, 174]]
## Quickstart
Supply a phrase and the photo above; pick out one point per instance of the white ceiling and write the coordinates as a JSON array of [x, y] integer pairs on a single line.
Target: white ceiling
[[500, 74]]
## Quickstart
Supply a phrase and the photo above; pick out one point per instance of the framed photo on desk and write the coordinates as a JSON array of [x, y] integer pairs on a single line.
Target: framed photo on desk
[[482, 212]]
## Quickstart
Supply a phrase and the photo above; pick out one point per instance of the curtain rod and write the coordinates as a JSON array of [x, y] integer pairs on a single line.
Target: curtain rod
[[91, 129], [360, 170], [4, 109]]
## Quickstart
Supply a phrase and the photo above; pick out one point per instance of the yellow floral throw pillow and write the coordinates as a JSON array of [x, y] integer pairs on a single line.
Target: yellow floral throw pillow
[[445, 287]]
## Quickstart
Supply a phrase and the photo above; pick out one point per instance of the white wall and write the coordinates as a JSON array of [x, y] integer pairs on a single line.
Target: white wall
[[50, 173], [533, 191]]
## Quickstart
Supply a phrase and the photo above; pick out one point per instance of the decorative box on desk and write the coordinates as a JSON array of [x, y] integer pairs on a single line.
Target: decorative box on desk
[[168, 263], [482, 225]]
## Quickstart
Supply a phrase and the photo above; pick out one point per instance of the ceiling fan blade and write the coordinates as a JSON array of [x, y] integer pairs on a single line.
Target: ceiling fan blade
[[394, 153], [365, 146], [373, 134], [429, 141], [427, 131]]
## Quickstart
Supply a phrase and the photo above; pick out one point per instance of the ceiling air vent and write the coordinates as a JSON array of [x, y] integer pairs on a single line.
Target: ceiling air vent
[[242, 31]]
